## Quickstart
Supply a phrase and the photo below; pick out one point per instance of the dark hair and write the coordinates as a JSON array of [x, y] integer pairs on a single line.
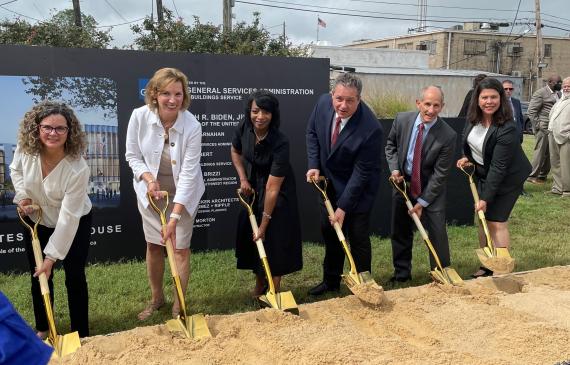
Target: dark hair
[[503, 114], [267, 101], [478, 79]]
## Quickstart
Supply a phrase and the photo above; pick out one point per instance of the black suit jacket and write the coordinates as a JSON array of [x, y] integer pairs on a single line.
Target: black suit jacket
[[518, 116], [438, 152], [353, 164], [505, 166]]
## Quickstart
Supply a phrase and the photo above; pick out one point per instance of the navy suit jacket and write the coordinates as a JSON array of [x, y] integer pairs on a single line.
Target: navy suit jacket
[[518, 116], [353, 164], [438, 152]]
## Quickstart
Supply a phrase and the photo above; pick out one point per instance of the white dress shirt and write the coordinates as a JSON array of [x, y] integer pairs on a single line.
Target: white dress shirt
[[145, 142], [62, 195]]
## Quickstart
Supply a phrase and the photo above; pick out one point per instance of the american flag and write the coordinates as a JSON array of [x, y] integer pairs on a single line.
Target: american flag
[[321, 23]]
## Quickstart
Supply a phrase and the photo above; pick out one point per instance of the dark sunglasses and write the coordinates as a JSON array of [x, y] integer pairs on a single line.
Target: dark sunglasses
[[509, 88]]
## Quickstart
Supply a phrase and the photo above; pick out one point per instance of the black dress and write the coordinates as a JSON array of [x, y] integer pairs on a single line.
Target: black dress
[[283, 235]]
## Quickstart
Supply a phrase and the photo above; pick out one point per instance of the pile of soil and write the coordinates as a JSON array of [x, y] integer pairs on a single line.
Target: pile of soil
[[521, 318]]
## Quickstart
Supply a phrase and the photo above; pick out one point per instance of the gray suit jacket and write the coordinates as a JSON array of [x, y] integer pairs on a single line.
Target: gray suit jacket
[[438, 152], [560, 121], [539, 107]]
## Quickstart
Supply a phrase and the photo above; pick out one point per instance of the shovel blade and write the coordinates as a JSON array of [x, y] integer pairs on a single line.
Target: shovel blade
[[447, 276], [283, 301], [65, 344], [363, 286], [499, 265], [194, 326]]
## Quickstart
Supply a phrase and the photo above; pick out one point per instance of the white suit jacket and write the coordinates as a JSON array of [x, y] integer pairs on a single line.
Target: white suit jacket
[[560, 120], [145, 141]]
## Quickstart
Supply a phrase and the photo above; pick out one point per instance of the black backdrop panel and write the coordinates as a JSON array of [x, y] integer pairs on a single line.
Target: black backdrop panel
[[218, 84]]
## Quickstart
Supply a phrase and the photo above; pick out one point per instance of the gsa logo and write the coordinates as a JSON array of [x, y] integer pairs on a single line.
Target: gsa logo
[[142, 86]]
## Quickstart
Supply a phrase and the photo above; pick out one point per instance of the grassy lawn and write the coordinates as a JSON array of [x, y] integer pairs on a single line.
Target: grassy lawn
[[118, 291]]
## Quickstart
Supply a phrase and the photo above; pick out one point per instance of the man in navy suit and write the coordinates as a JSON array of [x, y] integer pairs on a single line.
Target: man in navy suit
[[427, 168], [515, 105], [344, 141]]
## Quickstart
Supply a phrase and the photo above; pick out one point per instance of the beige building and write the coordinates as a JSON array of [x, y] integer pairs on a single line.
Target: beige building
[[484, 50]]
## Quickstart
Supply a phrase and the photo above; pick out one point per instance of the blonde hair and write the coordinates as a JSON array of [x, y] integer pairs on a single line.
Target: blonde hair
[[29, 131], [160, 80]]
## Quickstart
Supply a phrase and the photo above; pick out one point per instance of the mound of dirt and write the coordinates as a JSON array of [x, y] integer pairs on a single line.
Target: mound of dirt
[[521, 318]]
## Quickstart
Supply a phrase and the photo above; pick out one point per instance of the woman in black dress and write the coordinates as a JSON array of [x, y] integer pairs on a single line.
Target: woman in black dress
[[491, 142], [260, 154]]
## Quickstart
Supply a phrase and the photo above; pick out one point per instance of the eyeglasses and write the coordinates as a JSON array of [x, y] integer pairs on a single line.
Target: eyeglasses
[[47, 129], [509, 88]]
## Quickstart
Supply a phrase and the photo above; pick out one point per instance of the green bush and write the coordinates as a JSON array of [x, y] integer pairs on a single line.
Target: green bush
[[387, 105]]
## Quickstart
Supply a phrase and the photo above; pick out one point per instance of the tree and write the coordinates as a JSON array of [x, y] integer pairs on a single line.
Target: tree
[[245, 39], [59, 31], [79, 92]]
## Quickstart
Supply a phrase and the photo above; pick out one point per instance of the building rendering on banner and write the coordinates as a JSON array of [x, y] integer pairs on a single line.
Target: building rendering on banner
[[6, 155], [480, 46], [102, 156]]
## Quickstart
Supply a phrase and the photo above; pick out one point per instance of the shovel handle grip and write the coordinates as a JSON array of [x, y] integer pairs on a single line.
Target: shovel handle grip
[[258, 242], [337, 227]]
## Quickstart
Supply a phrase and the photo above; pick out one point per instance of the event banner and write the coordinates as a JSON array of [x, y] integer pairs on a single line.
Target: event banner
[[104, 86]]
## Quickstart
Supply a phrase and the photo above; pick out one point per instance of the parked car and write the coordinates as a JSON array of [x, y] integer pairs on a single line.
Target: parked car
[[527, 123]]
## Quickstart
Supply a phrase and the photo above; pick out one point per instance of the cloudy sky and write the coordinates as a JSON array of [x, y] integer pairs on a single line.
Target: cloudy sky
[[346, 20]]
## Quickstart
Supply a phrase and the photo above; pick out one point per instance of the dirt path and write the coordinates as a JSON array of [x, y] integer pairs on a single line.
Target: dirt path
[[516, 319]]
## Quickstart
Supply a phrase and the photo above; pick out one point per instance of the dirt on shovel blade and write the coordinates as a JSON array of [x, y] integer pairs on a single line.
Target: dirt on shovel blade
[[370, 293], [499, 265]]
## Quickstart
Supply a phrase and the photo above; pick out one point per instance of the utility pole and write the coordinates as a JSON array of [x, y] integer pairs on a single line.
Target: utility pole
[[77, 13], [538, 45], [159, 13], [284, 38], [228, 5]]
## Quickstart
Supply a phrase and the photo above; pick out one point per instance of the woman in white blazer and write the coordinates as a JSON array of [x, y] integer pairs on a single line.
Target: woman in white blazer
[[163, 150], [48, 170]]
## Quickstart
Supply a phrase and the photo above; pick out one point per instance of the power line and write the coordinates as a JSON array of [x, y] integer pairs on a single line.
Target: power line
[[116, 11], [514, 21], [436, 6], [8, 2], [116, 25], [364, 11], [22, 15], [346, 14], [176, 10]]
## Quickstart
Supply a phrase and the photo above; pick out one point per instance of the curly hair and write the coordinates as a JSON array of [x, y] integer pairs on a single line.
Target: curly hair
[[29, 131], [161, 79]]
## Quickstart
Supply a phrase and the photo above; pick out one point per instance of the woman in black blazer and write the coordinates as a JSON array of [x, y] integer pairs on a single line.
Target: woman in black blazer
[[491, 142]]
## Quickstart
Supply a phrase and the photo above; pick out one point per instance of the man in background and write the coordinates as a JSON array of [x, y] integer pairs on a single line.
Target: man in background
[[538, 111]]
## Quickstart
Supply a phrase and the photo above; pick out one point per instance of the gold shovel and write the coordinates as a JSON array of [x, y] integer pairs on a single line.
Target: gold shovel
[[283, 301], [62, 344], [360, 284], [443, 275], [194, 326], [497, 259]]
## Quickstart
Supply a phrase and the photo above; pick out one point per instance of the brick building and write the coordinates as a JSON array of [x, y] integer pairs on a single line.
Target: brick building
[[473, 48]]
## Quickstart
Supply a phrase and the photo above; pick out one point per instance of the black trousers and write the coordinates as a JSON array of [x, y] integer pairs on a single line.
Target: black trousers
[[403, 236], [356, 228], [75, 280]]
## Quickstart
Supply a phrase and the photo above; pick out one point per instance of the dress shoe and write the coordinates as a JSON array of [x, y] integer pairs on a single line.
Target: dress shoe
[[482, 272], [323, 287], [553, 192], [399, 279], [534, 180], [566, 194]]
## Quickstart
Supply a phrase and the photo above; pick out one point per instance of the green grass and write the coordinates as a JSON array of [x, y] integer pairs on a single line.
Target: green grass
[[118, 291]]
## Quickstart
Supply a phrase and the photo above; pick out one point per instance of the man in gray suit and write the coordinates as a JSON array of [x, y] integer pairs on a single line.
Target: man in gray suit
[[538, 110], [420, 146]]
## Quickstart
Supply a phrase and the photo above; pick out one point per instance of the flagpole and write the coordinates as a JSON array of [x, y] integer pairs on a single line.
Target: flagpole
[[317, 29]]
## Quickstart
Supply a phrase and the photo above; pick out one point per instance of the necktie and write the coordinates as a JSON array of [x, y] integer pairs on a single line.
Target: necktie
[[336, 131], [513, 109], [416, 183]]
